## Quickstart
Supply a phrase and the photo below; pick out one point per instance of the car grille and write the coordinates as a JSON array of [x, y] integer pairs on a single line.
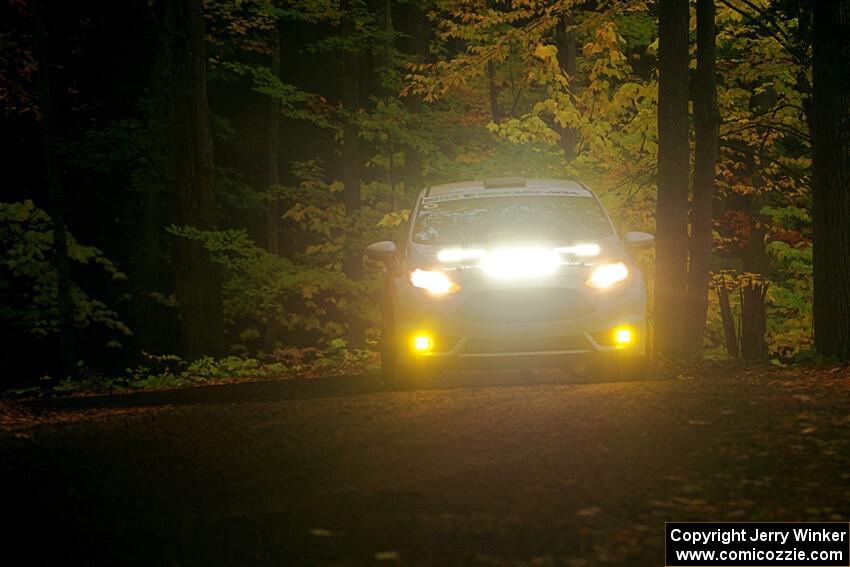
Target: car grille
[[524, 306], [524, 344]]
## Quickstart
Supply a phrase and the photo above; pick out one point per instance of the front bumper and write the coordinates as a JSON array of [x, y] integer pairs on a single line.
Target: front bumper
[[548, 323]]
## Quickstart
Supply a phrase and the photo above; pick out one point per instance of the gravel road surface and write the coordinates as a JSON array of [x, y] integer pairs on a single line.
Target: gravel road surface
[[474, 470]]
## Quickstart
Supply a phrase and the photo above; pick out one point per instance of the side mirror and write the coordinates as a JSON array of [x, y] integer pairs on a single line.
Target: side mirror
[[384, 251], [636, 240]]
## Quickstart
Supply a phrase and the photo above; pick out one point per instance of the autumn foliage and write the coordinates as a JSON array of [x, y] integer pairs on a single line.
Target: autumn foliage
[[420, 92]]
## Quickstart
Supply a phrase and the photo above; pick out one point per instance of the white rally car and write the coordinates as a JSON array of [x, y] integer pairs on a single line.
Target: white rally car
[[512, 273]]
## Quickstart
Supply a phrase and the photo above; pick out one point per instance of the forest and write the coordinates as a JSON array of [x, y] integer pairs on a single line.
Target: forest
[[189, 185]]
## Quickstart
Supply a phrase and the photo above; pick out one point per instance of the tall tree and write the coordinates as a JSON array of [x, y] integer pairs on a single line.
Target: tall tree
[[830, 123], [198, 279], [54, 190], [567, 61], [154, 323], [273, 173], [388, 93], [273, 212], [353, 255], [493, 90], [673, 163], [417, 31], [706, 132]]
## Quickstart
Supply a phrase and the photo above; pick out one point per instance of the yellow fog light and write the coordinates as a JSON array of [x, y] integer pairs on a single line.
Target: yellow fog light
[[423, 343], [623, 336]]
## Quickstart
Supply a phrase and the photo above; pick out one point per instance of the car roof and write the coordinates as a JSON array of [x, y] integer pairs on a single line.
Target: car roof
[[508, 186]]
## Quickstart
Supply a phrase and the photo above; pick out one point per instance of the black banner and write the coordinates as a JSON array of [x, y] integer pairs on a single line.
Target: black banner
[[745, 544]]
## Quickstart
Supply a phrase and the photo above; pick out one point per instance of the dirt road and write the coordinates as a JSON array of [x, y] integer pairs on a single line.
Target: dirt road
[[474, 471]]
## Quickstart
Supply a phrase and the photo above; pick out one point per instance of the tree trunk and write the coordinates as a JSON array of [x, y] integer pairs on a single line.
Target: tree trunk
[[388, 48], [273, 176], [569, 66], [353, 253], [417, 30], [831, 177], [273, 212], [753, 287], [706, 128], [729, 332], [673, 162], [55, 194], [155, 326], [198, 279], [152, 321], [495, 113], [353, 265], [753, 318]]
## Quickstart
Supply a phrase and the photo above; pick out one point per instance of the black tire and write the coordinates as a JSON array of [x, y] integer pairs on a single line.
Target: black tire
[[395, 370], [617, 367], [389, 347], [389, 356]]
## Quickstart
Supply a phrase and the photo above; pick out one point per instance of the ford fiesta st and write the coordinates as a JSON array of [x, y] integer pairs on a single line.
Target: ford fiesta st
[[512, 273]]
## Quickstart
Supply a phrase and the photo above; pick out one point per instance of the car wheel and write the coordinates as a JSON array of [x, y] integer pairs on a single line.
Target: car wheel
[[616, 367], [389, 356], [395, 370]]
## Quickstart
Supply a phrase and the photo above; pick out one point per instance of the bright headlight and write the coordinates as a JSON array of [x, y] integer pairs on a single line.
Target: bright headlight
[[521, 263], [606, 275], [433, 281]]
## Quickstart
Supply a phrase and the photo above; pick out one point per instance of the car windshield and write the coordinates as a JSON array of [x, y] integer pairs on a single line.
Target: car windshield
[[557, 219]]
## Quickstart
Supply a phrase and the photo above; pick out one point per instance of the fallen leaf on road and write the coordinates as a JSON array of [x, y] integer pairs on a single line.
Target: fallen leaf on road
[[588, 512]]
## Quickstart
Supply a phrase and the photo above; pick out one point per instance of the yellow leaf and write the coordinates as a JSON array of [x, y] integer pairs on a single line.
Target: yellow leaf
[[545, 51]]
